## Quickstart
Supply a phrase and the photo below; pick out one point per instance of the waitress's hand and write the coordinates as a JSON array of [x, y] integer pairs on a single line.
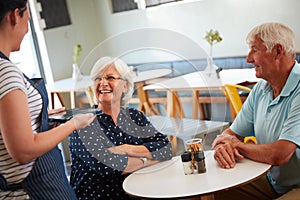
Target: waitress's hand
[[83, 120]]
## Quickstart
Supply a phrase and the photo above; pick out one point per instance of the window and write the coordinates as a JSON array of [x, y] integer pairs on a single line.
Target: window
[[125, 5], [150, 3], [55, 13]]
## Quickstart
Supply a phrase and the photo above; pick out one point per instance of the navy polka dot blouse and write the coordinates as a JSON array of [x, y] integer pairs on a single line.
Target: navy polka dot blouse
[[95, 172]]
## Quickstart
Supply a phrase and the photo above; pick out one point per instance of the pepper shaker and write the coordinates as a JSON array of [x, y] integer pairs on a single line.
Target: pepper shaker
[[200, 161]]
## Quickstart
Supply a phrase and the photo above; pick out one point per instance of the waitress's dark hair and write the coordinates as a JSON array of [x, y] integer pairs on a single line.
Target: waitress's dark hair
[[10, 5]]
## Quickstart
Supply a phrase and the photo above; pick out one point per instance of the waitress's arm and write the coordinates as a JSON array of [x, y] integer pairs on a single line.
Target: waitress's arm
[[15, 125]]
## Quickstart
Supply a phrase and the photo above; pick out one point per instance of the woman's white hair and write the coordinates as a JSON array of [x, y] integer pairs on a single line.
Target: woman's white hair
[[274, 33], [122, 68]]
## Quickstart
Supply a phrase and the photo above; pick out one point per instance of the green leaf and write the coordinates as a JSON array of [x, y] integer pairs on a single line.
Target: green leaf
[[213, 37]]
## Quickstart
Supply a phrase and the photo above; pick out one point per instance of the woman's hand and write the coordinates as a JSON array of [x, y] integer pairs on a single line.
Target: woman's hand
[[117, 150], [131, 150]]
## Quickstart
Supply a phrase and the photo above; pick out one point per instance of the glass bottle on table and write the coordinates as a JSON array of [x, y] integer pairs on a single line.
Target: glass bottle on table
[[199, 158]]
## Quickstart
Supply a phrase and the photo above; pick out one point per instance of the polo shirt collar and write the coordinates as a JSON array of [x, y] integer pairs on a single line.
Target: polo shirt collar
[[292, 81], [291, 84]]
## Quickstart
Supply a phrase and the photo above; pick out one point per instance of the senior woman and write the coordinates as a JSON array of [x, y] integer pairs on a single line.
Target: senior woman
[[118, 142]]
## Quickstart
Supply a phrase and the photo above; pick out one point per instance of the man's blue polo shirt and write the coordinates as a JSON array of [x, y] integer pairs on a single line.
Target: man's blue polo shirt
[[274, 119]]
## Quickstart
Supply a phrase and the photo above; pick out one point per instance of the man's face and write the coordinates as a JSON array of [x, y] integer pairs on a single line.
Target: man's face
[[263, 61]]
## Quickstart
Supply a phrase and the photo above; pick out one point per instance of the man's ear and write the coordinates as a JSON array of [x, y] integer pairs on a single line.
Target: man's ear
[[279, 50]]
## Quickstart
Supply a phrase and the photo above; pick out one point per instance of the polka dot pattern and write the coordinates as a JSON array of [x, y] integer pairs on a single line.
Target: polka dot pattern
[[95, 172]]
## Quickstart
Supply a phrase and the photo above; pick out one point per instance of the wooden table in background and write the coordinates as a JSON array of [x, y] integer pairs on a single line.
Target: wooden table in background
[[71, 86], [197, 82], [139, 79]]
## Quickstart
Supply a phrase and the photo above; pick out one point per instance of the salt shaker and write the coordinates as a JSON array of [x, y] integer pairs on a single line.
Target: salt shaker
[[186, 159], [200, 161]]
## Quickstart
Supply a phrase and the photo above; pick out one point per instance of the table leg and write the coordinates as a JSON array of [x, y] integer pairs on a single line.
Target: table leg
[[197, 106], [170, 104], [72, 99], [208, 197], [145, 105], [53, 101], [174, 107]]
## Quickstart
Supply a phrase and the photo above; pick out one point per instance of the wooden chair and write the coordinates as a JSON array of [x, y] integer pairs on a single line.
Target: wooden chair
[[231, 92]]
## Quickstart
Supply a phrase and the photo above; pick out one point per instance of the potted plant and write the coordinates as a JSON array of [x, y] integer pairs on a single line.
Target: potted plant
[[76, 56], [212, 37]]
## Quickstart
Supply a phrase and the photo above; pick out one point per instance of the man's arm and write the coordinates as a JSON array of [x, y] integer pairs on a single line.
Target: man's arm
[[275, 153], [228, 147]]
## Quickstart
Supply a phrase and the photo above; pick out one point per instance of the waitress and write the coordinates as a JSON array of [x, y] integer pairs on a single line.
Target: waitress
[[31, 165]]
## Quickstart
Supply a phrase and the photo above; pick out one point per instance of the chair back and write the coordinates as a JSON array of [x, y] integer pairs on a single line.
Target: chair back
[[231, 92]]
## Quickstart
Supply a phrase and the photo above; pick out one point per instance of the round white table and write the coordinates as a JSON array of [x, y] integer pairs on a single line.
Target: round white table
[[167, 179]]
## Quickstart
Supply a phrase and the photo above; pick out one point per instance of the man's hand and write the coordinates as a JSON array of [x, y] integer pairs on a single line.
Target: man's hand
[[225, 150], [226, 138]]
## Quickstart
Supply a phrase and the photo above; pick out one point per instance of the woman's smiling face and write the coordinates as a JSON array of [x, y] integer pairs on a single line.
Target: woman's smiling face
[[109, 86]]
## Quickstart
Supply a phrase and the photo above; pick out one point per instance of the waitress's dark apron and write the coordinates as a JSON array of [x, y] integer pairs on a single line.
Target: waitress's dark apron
[[47, 179]]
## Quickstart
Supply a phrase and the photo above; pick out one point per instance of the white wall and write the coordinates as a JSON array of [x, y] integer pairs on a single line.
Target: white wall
[[60, 41], [183, 25]]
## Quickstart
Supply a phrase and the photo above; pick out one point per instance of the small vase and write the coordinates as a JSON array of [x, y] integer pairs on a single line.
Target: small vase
[[76, 75], [211, 68]]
